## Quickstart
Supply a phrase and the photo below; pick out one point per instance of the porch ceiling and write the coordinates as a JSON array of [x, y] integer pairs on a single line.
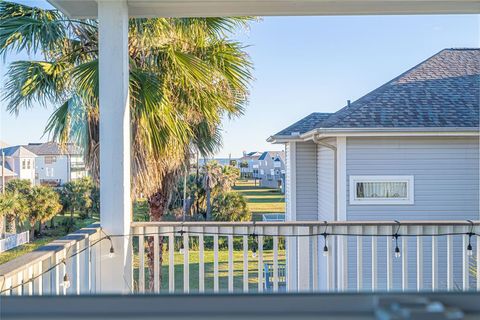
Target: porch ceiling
[[206, 8]]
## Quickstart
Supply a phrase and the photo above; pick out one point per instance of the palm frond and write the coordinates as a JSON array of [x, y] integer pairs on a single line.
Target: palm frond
[[30, 29], [33, 81]]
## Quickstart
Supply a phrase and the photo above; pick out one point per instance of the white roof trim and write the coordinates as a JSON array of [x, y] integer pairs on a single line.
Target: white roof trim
[[210, 8], [375, 132]]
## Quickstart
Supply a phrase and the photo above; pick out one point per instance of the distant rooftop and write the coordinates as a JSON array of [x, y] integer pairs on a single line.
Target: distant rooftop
[[18, 151], [52, 148]]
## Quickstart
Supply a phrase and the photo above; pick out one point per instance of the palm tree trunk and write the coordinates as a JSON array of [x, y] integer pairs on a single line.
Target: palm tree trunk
[[158, 205], [11, 224], [32, 232], [209, 204]]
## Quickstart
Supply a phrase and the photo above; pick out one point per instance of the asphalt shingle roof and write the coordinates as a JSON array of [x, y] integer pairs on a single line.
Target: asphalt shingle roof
[[51, 148], [308, 123], [443, 91]]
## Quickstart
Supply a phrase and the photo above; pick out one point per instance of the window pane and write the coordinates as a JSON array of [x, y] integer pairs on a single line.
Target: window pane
[[385, 190]]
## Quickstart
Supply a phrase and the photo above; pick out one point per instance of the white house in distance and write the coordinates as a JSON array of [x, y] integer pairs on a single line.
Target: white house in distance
[[271, 169], [408, 150], [55, 166], [248, 164], [20, 161]]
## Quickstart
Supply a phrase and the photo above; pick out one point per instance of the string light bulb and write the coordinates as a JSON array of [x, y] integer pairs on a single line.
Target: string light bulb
[[469, 247], [397, 249], [325, 248], [66, 281], [182, 249], [111, 253], [254, 252], [397, 252]]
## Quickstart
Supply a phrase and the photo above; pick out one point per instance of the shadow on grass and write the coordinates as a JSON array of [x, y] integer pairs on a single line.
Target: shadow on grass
[[209, 276]]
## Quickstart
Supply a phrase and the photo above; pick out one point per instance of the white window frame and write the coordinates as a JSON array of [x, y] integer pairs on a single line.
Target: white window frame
[[382, 201]]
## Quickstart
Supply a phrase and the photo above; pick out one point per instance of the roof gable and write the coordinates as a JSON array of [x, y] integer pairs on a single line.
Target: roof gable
[[441, 92], [18, 151]]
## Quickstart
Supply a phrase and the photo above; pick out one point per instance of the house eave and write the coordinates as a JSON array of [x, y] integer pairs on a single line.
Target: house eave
[[277, 139], [215, 8], [385, 132]]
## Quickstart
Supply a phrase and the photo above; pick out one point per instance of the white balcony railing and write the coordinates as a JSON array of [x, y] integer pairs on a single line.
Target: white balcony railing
[[361, 256], [42, 272], [261, 257]]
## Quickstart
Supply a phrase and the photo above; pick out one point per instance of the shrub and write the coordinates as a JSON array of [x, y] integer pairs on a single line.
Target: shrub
[[230, 206]]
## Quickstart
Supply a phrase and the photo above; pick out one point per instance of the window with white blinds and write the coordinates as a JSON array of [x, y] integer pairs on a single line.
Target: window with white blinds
[[381, 190]]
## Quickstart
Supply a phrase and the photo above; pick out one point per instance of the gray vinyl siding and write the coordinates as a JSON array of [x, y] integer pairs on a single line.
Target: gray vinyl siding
[[325, 178], [445, 170], [306, 181], [288, 182], [446, 175]]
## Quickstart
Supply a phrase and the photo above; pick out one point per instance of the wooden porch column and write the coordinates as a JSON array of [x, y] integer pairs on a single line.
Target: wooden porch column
[[115, 203]]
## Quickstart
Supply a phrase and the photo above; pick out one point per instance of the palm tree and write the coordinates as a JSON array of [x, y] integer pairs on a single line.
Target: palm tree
[[185, 76], [211, 178]]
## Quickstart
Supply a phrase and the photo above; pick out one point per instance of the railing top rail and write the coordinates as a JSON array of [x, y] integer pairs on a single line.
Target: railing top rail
[[305, 223], [47, 251]]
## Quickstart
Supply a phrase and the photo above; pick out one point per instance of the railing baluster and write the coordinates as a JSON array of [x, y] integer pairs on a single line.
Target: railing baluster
[[389, 260], [230, 261], [343, 254], [85, 268], [359, 259], [171, 261], [215, 263], [7, 286], [419, 259], [304, 259], [186, 263], [450, 260], [245, 263], [275, 263], [434, 260], [260, 262], [405, 259], [201, 263], [28, 274], [55, 275], [374, 259], [315, 271], [38, 282], [329, 242], [156, 264], [466, 265], [141, 260], [76, 268]]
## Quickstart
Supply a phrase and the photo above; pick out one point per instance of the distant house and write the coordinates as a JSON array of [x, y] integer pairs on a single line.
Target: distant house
[[408, 150], [271, 169], [20, 161], [248, 164], [56, 166], [9, 175]]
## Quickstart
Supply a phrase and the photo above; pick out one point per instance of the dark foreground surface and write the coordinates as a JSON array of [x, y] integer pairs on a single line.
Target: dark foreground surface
[[451, 305]]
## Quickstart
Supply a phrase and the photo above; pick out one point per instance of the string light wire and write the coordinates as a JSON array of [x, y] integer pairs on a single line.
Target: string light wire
[[325, 234]]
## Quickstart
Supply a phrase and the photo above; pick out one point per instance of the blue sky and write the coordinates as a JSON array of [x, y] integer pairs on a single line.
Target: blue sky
[[304, 65]]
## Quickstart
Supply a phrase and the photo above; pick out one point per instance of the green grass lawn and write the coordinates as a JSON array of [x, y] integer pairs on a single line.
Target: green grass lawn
[[222, 266], [261, 200]]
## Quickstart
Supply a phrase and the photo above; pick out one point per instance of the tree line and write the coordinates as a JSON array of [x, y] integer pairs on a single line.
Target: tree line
[[27, 207]]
